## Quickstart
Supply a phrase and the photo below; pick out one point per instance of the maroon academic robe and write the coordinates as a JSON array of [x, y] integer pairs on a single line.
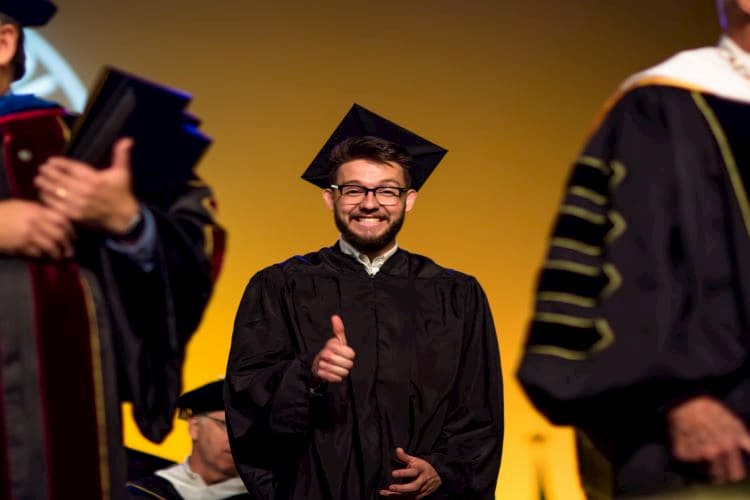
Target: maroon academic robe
[[79, 336]]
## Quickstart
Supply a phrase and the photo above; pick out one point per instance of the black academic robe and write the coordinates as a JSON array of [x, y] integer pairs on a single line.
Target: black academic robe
[[153, 486], [157, 487], [643, 301], [426, 378], [78, 336]]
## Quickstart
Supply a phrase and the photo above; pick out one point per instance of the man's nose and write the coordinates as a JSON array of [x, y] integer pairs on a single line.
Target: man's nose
[[370, 201]]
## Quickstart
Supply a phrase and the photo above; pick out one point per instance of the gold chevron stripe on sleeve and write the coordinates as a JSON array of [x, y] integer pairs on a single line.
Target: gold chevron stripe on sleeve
[[566, 298], [577, 246], [618, 226], [588, 194], [614, 280], [573, 267], [584, 214], [600, 324], [593, 162]]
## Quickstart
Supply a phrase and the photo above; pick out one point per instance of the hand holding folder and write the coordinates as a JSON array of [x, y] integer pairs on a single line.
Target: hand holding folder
[[168, 143]]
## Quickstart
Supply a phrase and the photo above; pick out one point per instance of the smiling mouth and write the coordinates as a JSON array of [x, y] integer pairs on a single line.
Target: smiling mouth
[[366, 221]]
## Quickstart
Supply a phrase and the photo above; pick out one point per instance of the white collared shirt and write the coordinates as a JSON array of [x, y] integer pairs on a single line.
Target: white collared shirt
[[191, 486], [371, 266]]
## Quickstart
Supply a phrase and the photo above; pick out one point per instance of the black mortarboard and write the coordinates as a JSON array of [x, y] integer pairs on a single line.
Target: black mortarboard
[[29, 12], [168, 143], [362, 122], [204, 399]]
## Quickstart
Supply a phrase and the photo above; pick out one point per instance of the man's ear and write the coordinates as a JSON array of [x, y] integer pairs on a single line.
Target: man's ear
[[194, 427], [8, 43], [411, 199], [328, 198]]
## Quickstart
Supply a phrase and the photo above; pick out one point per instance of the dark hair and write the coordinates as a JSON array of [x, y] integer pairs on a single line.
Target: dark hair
[[18, 63], [369, 148]]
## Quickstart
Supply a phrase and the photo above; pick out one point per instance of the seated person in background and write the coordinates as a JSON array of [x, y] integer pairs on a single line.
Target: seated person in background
[[209, 472]]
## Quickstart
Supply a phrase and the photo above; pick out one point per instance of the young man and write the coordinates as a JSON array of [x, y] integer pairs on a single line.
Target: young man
[[99, 293], [640, 336], [363, 370], [209, 472]]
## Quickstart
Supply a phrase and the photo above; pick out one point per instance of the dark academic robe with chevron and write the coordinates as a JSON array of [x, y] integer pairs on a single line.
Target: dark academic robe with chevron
[[426, 378], [78, 336], [643, 300]]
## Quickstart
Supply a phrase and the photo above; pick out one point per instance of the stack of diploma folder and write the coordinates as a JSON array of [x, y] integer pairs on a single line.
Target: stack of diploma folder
[[168, 143]]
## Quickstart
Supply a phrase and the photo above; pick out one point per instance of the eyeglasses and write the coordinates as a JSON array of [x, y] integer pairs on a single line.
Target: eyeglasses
[[352, 194], [221, 423]]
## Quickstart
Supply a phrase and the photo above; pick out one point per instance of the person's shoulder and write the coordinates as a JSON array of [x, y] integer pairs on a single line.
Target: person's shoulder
[[304, 261], [295, 264], [672, 66], [649, 108], [299, 263], [647, 101], [29, 101], [423, 267], [152, 486], [701, 70], [15, 107], [652, 95], [689, 70]]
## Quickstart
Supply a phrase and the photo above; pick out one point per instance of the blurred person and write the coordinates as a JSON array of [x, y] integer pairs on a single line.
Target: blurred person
[[99, 294], [640, 334]]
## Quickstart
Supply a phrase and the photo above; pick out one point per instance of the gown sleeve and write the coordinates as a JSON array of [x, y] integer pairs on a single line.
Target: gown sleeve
[[267, 396], [467, 456], [623, 325], [155, 310]]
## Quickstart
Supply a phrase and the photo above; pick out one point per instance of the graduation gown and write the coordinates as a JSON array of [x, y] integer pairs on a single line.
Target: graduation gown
[[78, 336], [643, 300], [426, 378]]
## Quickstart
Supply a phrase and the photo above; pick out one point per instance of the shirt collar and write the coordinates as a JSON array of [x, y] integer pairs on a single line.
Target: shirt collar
[[371, 266], [742, 57], [190, 485]]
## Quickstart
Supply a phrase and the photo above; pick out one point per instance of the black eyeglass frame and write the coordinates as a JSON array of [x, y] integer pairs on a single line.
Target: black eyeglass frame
[[221, 423], [375, 190]]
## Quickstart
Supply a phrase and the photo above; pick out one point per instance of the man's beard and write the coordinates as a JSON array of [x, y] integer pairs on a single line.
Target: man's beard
[[371, 245]]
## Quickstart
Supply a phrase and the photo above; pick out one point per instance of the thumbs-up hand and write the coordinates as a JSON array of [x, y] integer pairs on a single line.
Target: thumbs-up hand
[[101, 199], [333, 362]]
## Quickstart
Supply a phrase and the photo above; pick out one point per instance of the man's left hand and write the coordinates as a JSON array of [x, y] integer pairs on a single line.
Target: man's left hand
[[100, 199], [425, 478], [704, 430]]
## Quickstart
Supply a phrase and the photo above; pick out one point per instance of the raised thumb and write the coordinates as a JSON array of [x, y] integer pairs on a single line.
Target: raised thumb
[[121, 153], [337, 326]]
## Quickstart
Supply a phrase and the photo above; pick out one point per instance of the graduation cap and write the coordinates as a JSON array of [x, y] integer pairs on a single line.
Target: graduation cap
[[362, 122], [29, 12], [167, 141], [204, 399]]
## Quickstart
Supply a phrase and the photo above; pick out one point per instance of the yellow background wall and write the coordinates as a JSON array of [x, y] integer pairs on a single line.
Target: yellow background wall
[[508, 86]]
